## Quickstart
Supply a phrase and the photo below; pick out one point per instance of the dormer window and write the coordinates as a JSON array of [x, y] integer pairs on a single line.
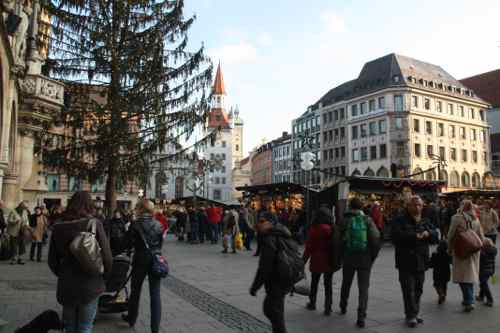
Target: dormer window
[[395, 78], [431, 84]]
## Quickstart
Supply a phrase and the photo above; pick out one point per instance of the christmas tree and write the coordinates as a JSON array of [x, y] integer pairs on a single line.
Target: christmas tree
[[131, 86]]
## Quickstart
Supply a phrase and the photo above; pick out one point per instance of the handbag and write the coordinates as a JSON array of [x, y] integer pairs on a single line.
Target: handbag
[[302, 287], [159, 265], [466, 242], [87, 251]]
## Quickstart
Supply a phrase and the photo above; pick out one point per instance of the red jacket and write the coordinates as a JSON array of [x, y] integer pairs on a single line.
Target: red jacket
[[163, 220], [319, 248], [377, 216], [214, 215]]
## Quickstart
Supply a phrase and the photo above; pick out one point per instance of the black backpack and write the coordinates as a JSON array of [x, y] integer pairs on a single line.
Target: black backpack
[[289, 262]]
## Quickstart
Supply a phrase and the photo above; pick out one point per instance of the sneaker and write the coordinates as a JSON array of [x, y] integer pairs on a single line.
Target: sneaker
[[468, 308], [419, 320], [412, 323], [343, 310], [360, 323], [327, 312], [20, 262], [310, 306], [441, 299], [489, 303]]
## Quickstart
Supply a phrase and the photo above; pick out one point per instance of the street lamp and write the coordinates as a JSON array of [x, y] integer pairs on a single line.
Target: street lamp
[[307, 164]]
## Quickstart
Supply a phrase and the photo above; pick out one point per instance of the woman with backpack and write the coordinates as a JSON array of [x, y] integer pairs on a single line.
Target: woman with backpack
[[77, 290], [146, 237], [318, 249], [465, 270]]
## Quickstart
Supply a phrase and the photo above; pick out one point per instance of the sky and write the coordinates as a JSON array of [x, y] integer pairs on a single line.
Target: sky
[[280, 56]]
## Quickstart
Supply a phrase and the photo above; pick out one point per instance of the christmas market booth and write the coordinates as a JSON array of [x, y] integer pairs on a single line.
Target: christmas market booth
[[388, 193], [477, 196], [198, 201], [279, 196]]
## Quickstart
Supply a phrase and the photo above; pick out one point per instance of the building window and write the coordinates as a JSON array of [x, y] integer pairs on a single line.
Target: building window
[[462, 111], [217, 195], [440, 129], [362, 128], [400, 149], [342, 152], [223, 180], [439, 106], [381, 102], [337, 153], [414, 101], [481, 115], [330, 154], [330, 117], [354, 132], [330, 135], [399, 123], [442, 153], [465, 179], [482, 136], [325, 118], [342, 170], [473, 113], [223, 169], [453, 154], [418, 152], [373, 152], [325, 155], [223, 156], [336, 135], [362, 108], [398, 103], [237, 147], [473, 135], [325, 137], [382, 127], [430, 150], [416, 125], [462, 133], [217, 180], [342, 114], [53, 183], [336, 115], [383, 151], [450, 109], [474, 156], [373, 128], [355, 155], [427, 103], [485, 158], [464, 155], [371, 105], [74, 184], [223, 144], [364, 154], [342, 133], [354, 110], [451, 129], [428, 127]]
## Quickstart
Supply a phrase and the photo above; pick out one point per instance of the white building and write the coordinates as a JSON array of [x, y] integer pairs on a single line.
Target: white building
[[401, 115]]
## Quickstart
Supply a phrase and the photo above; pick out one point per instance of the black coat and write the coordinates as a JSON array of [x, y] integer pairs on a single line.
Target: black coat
[[487, 261], [441, 270], [412, 255], [146, 228], [363, 259]]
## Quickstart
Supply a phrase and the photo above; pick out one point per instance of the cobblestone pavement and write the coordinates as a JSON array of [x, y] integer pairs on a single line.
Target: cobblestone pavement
[[208, 292]]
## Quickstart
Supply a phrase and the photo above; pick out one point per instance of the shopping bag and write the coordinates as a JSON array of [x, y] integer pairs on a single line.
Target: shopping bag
[[238, 241], [494, 279]]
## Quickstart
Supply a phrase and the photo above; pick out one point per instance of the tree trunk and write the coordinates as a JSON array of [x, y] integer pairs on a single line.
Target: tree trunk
[[111, 189]]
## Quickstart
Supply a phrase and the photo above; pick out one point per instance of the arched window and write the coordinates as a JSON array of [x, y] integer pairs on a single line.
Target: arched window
[[488, 180], [369, 173], [444, 176], [430, 175], [383, 172], [418, 174], [465, 179], [356, 173], [454, 179], [476, 180]]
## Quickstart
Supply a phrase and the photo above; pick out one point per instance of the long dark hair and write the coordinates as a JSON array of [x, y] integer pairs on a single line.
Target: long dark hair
[[79, 206]]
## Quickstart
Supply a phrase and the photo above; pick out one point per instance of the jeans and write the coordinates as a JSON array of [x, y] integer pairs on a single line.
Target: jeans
[[79, 318], [16, 247], [195, 229], [327, 281], [214, 227], [139, 273], [38, 247], [412, 285], [248, 239], [468, 293], [484, 288], [363, 285], [274, 308]]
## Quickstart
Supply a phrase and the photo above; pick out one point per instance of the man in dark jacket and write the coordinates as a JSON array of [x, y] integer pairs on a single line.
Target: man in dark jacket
[[412, 234], [274, 303], [358, 261]]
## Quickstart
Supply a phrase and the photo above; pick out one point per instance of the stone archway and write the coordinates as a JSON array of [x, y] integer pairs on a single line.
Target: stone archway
[[356, 173], [369, 173], [454, 179], [488, 180], [465, 179], [383, 172], [476, 180]]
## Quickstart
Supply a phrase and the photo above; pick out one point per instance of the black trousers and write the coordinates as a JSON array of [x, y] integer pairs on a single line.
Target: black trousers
[[274, 308], [327, 281], [139, 273], [363, 274], [412, 286], [484, 288], [38, 247]]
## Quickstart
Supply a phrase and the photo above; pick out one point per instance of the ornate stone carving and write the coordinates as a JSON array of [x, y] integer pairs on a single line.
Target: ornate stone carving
[[52, 90], [28, 85]]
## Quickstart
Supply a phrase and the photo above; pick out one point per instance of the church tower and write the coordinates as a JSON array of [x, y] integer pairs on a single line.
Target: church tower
[[237, 136], [218, 116]]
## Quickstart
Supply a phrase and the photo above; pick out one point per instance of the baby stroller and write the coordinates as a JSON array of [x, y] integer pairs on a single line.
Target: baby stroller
[[113, 301]]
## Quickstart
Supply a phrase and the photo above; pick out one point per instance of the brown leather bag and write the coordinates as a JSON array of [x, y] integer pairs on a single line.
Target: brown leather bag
[[466, 242]]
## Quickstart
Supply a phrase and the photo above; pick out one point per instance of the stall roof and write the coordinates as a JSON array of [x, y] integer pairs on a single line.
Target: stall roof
[[491, 193], [383, 185], [202, 199], [278, 187]]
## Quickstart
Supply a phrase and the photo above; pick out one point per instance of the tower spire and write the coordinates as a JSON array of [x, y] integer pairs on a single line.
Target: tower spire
[[219, 87]]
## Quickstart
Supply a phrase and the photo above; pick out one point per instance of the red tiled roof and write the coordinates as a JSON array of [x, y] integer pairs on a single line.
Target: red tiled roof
[[486, 85], [219, 87]]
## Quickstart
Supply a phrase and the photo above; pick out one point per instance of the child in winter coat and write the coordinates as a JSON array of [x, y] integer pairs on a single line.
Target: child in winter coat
[[486, 270], [440, 263]]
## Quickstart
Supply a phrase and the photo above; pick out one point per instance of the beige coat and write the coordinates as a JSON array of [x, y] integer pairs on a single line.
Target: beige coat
[[39, 229], [489, 221], [464, 270]]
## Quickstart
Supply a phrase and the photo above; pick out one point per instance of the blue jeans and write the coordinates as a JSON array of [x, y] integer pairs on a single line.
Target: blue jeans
[[79, 318], [215, 232], [468, 293], [139, 273], [195, 230]]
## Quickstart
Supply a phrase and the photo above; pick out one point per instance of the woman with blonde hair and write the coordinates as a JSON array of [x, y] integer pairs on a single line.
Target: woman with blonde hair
[[465, 269]]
